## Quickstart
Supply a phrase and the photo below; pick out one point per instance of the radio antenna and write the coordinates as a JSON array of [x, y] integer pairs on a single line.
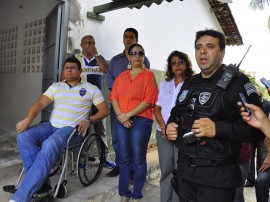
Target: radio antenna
[[243, 57]]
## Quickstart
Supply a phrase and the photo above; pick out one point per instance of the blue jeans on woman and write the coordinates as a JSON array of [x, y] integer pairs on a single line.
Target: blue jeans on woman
[[132, 146], [40, 147]]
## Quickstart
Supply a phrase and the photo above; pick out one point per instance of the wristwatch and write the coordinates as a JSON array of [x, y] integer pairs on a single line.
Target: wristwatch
[[90, 120]]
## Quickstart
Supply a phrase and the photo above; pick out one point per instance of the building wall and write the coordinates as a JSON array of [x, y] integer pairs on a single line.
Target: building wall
[[162, 29], [21, 44]]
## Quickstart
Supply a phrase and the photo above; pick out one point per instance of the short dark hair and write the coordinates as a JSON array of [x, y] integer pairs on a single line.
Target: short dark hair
[[183, 56], [213, 33], [132, 46], [73, 59], [134, 31]]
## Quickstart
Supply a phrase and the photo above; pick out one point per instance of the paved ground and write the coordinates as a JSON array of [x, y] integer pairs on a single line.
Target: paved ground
[[103, 190]]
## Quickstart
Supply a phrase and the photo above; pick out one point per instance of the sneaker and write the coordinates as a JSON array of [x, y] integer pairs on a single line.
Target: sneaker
[[37, 197], [45, 188], [109, 164], [9, 188], [114, 172]]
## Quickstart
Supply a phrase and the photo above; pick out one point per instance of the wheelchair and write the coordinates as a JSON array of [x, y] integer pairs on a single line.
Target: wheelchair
[[88, 166]]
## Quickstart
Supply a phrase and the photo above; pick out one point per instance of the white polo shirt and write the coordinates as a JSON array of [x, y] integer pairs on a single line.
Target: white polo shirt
[[72, 104]]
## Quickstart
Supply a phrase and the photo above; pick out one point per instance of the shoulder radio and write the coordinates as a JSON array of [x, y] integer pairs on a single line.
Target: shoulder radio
[[229, 73]]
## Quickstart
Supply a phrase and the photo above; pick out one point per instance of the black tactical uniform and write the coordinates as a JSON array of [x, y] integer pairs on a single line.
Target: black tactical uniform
[[213, 161]]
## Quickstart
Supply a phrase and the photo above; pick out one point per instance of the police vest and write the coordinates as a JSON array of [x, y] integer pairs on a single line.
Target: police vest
[[206, 100]]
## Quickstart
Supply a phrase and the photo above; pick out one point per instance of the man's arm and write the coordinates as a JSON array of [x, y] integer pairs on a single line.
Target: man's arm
[[236, 129], [34, 110], [103, 111], [103, 65], [110, 76]]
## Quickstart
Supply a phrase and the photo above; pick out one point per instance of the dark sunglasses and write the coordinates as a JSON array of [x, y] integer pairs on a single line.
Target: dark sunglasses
[[177, 63], [133, 53]]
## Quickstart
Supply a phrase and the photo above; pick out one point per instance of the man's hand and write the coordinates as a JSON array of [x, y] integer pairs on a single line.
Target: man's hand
[[204, 127], [172, 131], [93, 49], [83, 127], [23, 125], [266, 164]]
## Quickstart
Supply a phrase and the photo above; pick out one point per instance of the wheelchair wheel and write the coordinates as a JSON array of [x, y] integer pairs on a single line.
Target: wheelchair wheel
[[91, 159], [62, 192]]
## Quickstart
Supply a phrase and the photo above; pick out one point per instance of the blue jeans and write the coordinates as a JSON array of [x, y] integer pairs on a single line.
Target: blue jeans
[[40, 147], [132, 142], [262, 185]]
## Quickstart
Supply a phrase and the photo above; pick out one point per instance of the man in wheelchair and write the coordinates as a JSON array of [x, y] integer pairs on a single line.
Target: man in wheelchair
[[41, 145]]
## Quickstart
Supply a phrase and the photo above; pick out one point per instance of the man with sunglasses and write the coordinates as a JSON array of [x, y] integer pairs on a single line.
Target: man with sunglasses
[[93, 67], [207, 125], [117, 65]]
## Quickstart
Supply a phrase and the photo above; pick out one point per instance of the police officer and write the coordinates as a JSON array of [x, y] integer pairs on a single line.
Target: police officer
[[207, 160]]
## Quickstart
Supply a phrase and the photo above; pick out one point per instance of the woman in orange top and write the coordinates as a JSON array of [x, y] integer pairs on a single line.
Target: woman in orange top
[[133, 96]]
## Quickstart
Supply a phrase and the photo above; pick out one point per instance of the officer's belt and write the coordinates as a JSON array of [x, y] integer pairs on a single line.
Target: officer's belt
[[199, 162]]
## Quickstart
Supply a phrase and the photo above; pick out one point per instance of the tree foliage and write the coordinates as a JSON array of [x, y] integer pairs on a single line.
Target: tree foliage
[[259, 4]]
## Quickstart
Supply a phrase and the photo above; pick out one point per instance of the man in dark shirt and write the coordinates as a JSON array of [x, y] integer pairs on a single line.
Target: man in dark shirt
[[207, 166]]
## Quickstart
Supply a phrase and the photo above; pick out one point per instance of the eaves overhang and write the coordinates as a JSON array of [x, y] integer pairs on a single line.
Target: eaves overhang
[[222, 12], [226, 20]]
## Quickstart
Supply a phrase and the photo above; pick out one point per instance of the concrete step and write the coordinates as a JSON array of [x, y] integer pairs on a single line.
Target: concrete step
[[105, 189]]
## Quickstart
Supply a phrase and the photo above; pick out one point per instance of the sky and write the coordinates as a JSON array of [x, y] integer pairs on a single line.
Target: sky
[[253, 27]]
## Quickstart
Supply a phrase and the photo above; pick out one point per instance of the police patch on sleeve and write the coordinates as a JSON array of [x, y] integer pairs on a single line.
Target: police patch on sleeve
[[183, 95], [250, 88]]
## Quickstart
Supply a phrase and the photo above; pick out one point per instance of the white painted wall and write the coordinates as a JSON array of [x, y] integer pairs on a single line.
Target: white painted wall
[[19, 90], [162, 28]]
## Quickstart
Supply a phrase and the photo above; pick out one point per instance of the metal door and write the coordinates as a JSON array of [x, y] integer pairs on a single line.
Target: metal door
[[54, 48]]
